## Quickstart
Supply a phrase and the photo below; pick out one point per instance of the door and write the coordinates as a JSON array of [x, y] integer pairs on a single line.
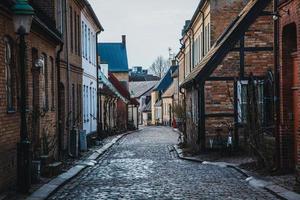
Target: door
[[295, 91]]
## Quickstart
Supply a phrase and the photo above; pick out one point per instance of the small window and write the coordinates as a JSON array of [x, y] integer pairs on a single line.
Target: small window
[[8, 60], [44, 82]]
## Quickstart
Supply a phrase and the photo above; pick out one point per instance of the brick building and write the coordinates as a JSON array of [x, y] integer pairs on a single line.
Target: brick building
[[289, 44], [41, 76], [222, 45]]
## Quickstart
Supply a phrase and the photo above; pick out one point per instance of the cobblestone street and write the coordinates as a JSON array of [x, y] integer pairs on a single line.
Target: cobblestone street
[[143, 165]]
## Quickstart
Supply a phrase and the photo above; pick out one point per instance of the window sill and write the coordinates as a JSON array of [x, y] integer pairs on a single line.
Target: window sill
[[11, 111]]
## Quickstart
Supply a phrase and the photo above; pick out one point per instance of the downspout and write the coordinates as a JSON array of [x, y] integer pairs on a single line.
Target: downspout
[[59, 112], [99, 117], [190, 40], [202, 45], [277, 81], [68, 75]]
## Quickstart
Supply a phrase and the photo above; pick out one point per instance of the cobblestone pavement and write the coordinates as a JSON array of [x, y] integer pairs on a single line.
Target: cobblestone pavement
[[143, 165]]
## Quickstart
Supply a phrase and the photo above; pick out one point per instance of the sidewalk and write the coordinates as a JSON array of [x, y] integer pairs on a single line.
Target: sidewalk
[[72, 168], [270, 184]]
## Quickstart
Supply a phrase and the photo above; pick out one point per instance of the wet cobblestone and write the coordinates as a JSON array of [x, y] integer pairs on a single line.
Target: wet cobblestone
[[143, 165]]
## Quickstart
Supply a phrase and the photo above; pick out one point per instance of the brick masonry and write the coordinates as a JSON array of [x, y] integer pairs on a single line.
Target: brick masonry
[[219, 95], [289, 43], [41, 120]]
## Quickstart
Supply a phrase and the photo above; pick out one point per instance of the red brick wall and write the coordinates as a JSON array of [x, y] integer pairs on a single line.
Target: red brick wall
[[10, 122], [219, 95], [289, 139]]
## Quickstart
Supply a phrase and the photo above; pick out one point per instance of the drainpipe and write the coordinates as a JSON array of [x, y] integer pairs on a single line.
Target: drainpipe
[[68, 74], [190, 35], [99, 124], [277, 81], [59, 109], [203, 20]]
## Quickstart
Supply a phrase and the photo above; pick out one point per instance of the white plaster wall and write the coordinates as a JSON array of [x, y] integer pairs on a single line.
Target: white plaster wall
[[89, 80]]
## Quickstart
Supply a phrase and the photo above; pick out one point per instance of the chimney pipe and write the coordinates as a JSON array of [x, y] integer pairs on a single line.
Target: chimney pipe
[[124, 40], [174, 62]]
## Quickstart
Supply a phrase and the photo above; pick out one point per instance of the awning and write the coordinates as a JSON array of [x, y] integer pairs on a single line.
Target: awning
[[226, 42]]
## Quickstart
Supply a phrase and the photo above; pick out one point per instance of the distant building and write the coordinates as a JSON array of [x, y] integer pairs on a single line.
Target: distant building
[[138, 74], [141, 90], [115, 55], [156, 95]]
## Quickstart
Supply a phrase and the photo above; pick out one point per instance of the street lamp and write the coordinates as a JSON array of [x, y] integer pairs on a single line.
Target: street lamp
[[23, 14]]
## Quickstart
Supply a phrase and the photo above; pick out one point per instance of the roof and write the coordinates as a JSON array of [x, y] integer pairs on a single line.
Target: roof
[[226, 41], [143, 77], [191, 22], [170, 91], [95, 18], [115, 55], [110, 88], [119, 86], [140, 88], [166, 81]]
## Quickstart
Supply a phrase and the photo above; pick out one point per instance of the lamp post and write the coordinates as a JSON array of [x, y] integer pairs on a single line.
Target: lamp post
[[23, 14]]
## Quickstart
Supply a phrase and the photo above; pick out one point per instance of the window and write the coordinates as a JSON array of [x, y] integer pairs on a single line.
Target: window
[[8, 73], [84, 102], [208, 36], [52, 82], [79, 102], [71, 28], [82, 39], [89, 45], [59, 16], [195, 106], [78, 36], [73, 105], [242, 100], [76, 33], [85, 41], [44, 82]]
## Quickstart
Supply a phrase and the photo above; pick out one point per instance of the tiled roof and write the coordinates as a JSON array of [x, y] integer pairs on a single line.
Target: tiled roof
[[118, 85], [226, 41], [167, 80], [140, 88], [110, 88], [115, 55]]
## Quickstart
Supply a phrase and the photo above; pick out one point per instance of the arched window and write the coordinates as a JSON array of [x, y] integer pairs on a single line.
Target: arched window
[[44, 82], [8, 60]]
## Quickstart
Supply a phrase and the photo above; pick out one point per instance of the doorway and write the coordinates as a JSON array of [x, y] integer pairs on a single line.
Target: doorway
[[290, 92]]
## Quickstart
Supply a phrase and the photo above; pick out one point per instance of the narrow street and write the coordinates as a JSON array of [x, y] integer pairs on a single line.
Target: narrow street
[[143, 165]]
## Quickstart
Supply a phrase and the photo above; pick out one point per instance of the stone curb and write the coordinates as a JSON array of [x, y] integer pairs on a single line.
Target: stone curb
[[274, 189], [48, 189]]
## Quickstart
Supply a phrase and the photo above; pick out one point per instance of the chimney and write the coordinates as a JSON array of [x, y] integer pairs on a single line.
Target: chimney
[[124, 40], [174, 62]]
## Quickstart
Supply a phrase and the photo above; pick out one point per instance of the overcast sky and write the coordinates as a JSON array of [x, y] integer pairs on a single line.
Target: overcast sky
[[151, 26]]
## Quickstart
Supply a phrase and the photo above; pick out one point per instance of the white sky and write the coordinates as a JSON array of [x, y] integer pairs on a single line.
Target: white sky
[[151, 26]]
